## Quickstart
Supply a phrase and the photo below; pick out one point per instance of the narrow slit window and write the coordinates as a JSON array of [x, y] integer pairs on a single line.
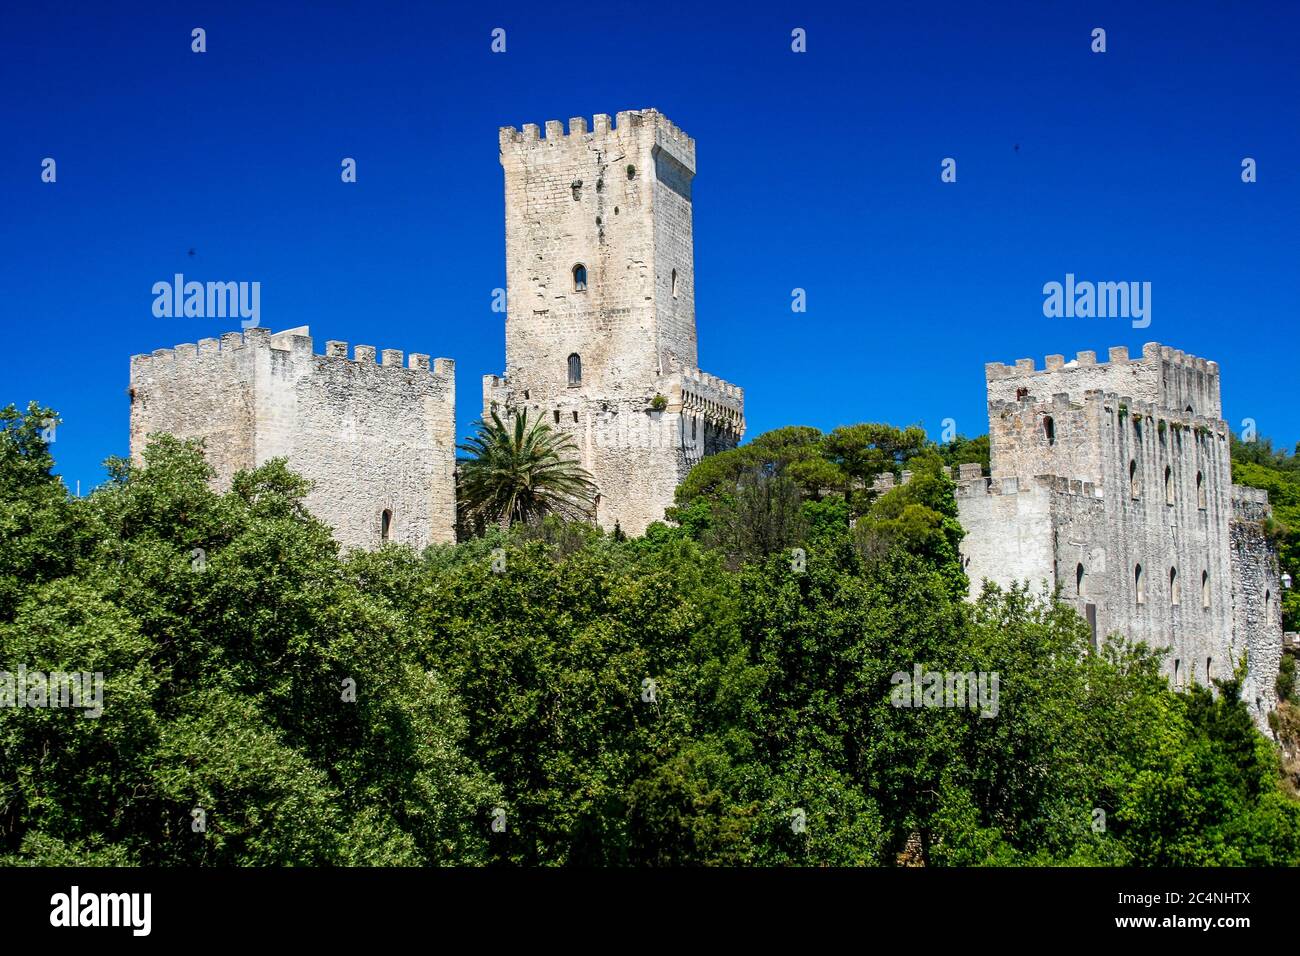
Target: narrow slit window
[[1140, 585], [385, 526], [1173, 586], [1079, 576], [1134, 482], [1205, 589], [1169, 485], [1200, 490], [575, 369], [1049, 430]]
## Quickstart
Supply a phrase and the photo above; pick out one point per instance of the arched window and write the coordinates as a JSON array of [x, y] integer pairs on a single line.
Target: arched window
[[674, 283], [1078, 580], [1134, 482], [1140, 584], [579, 278], [1169, 485], [385, 525], [1205, 589], [1200, 490], [1173, 586], [575, 369], [1049, 429]]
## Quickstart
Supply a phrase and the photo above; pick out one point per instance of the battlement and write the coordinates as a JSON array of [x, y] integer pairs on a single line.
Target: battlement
[[296, 341], [376, 438], [970, 486], [1152, 353], [628, 125], [1164, 376], [695, 391]]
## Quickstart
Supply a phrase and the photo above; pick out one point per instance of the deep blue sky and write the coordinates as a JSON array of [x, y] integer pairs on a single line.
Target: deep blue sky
[[816, 170]]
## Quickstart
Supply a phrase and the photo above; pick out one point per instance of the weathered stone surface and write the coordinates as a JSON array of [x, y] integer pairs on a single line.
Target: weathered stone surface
[[372, 438], [616, 202], [1101, 468]]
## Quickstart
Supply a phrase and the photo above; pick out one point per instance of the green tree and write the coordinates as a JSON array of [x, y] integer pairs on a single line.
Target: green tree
[[229, 635], [521, 473]]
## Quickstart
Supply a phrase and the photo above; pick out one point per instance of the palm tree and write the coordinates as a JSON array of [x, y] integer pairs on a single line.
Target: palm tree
[[522, 474]]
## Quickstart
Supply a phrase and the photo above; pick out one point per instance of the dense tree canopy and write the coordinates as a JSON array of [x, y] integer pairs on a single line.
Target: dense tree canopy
[[723, 691]]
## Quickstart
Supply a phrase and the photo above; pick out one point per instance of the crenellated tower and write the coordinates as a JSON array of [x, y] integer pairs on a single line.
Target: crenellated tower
[[1113, 481], [377, 440], [600, 290]]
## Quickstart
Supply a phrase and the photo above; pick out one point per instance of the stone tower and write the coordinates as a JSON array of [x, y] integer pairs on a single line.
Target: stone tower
[[600, 290], [377, 441], [1113, 480]]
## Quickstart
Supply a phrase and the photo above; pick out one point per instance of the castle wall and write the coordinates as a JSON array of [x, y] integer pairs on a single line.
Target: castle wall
[[371, 438], [674, 247], [1179, 524], [1164, 377], [1009, 533], [1256, 597], [636, 455], [201, 390]]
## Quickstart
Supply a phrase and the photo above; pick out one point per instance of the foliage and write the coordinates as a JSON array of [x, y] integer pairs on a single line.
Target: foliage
[[521, 473], [696, 696], [963, 451], [225, 627]]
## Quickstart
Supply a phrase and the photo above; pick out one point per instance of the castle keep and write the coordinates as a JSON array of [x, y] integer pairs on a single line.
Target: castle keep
[[377, 441], [1113, 480], [600, 292]]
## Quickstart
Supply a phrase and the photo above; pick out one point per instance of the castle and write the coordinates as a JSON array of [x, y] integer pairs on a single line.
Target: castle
[[1111, 480], [600, 328], [378, 442]]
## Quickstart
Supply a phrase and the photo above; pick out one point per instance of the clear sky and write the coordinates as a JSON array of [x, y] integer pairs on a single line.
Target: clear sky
[[817, 170]]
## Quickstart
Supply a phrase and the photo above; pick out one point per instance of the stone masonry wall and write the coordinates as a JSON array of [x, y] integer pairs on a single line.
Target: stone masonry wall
[[614, 199], [371, 438], [1090, 486], [1256, 597]]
